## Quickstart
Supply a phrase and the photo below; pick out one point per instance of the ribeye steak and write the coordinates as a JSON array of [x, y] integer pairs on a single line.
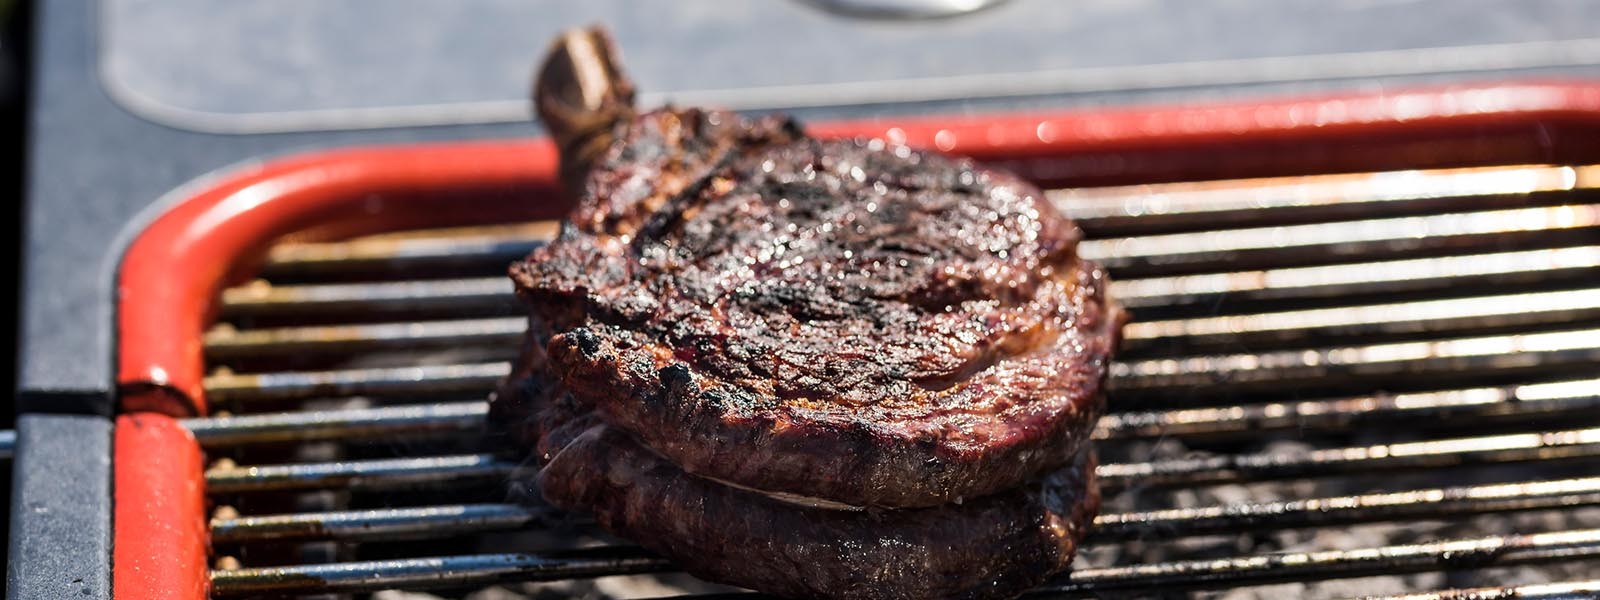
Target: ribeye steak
[[829, 345]]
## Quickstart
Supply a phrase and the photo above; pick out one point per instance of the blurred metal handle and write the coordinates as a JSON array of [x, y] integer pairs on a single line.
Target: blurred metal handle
[[903, 10]]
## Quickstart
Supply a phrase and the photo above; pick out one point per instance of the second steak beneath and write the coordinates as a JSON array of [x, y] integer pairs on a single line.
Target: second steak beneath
[[845, 320]]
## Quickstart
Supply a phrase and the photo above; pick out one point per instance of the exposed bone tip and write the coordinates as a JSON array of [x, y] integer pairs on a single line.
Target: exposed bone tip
[[581, 93]]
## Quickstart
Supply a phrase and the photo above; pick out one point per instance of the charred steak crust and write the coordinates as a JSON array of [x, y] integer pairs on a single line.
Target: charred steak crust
[[849, 320], [994, 547]]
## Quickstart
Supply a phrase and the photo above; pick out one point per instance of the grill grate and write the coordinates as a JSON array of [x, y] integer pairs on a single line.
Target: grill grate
[[1415, 345]]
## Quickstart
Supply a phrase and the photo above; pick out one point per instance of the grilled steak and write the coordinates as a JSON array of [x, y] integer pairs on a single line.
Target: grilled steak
[[996, 546], [816, 368]]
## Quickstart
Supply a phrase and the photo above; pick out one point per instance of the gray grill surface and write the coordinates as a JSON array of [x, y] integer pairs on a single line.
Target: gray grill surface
[[1367, 383]]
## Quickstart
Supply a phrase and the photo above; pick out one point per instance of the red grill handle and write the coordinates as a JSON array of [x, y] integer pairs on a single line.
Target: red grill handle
[[160, 539]]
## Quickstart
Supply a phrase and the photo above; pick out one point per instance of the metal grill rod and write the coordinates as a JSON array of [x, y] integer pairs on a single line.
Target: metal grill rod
[[1383, 279], [369, 525], [457, 296], [1354, 241], [400, 472], [1543, 351], [1126, 210], [223, 343], [1413, 504], [1549, 351], [1577, 590], [1516, 447], [8, 444], [1148, 208], [1499, 550], [441, 521], [1370, 323], [416, 573], [1159, 295], [418, 380], [1473, 406], [352, 424], [1197, 252], [425, 251], [1332, 564]]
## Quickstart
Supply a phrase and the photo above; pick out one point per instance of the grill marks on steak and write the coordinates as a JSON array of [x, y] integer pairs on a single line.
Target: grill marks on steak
[[844, 319]]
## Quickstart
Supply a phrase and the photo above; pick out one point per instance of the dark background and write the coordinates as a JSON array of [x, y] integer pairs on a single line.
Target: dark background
[[14, 43]]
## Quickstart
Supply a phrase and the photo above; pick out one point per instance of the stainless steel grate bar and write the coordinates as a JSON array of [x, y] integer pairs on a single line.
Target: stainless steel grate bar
[[442, 521], [1550, 351], [1578, 590], [425, 573], [8, 444], [1412, 504], [1492, 271], [409, 250], [1369, 323], [1354, 241], [1496, 550], [1169, 206], [1383, 279], [1208, 250], [1256, 331], [383, 473], [1515, 447], [418, 380], [1576, 398], [1545, 351], [369, 525], [352, 424], [1512, 447], [458, 296], [1331, 564], [1151, 208], [223, 343]]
